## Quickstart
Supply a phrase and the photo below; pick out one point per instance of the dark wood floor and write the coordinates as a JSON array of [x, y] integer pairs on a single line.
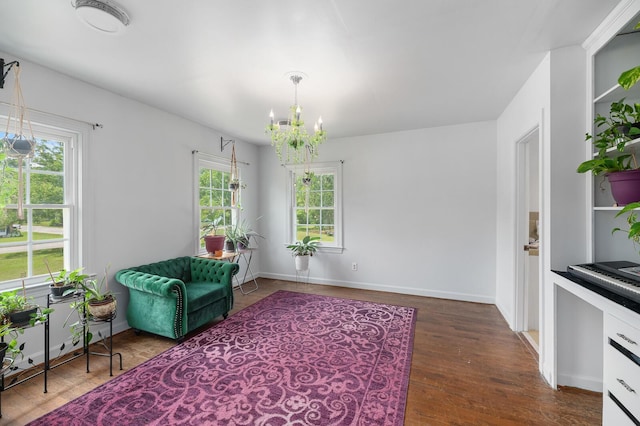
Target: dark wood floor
[[468, 368]]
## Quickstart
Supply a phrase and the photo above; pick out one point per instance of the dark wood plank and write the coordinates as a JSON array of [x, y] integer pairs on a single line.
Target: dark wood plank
[[468, 368]]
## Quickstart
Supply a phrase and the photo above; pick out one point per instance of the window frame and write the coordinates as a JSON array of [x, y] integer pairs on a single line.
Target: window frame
[[221, 165], [71, 134], [317, 168]]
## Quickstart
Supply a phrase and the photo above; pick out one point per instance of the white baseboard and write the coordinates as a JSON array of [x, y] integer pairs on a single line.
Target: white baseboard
[[465, 297], [588, 383]]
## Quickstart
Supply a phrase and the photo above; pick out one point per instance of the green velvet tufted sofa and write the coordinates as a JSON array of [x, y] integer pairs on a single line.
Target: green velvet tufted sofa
[[176, 296]]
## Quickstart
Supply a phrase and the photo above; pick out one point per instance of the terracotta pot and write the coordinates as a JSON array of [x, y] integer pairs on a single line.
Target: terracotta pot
[[625, 186], [102, 309], [214, 242]]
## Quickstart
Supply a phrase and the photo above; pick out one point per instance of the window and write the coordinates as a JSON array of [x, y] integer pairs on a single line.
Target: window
[[316, 207], [47, 232], [215, 200]]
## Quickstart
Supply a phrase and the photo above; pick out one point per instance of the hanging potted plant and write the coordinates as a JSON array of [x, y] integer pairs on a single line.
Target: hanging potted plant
[[303, 250], [612, 159], [212, 241]]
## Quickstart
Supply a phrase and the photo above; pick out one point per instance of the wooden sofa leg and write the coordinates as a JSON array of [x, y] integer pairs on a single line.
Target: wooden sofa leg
[[225, 315]]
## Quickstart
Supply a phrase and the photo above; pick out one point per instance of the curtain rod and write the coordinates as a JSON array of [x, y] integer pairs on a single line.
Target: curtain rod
[[217, 157], [93, 125]]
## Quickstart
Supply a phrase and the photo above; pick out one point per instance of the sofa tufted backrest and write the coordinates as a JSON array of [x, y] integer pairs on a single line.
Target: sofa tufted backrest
[[212, 271], [179, 268]]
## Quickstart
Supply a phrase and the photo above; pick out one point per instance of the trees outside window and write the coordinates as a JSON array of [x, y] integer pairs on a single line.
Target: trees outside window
[[316, 206], [215, 197], [44, 234]]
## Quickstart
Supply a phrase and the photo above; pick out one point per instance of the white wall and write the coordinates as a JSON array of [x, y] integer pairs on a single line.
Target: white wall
[[419, 209], [526, 111], [553, 98], [138, 174]]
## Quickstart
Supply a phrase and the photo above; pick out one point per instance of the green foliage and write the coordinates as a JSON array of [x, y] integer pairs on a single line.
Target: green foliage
[[93, 290], [630, 77], [616, 130], [241, 233], [74, 278], [308, 246], [633, 233], [11, 301], [210, 226]]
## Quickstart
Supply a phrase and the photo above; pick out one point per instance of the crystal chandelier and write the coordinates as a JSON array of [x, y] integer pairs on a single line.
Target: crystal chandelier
[[290, 138]]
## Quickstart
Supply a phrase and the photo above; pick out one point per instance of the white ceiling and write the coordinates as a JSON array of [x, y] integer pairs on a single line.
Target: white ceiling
[[372, 66]]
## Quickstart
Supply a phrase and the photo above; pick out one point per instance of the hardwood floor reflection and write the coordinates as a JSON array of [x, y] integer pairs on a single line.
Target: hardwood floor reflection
[[468, 368]]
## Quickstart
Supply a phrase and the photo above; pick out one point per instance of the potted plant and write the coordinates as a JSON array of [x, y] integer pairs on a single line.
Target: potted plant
[[17, 309], [66, 281], [620, 167], [240, 235], [97, 303], [212, 241], [303, 250]]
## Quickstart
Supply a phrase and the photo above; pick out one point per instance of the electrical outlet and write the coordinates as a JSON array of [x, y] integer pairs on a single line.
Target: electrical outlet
[[354, 266]]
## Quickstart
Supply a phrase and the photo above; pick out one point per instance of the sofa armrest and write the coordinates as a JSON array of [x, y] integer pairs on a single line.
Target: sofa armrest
[[149, 283]]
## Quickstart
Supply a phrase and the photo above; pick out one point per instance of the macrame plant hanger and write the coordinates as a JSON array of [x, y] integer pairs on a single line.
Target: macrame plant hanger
[[235, 178], [19, 146]]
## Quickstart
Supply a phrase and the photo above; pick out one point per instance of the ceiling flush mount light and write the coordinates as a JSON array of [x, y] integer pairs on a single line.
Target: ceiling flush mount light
[[290, 137], [103, 15]]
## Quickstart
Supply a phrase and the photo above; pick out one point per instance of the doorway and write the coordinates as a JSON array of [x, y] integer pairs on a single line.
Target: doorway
[[528, 238]]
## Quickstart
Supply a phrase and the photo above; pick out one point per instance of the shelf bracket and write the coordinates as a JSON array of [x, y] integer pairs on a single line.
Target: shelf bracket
[[225, 142]]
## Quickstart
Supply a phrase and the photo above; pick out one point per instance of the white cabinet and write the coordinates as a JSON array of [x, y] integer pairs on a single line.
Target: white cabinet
[[621, 395]]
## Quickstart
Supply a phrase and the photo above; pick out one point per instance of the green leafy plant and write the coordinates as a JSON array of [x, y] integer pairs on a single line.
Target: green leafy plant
[[211, 226], [241, 234], [616, 130], [11, 301], [74, 278], [633, 233], [630, 77], [92, 291], [308, 246]]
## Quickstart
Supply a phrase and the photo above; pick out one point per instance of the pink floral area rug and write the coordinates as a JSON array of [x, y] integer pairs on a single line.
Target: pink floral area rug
[[289, 359]]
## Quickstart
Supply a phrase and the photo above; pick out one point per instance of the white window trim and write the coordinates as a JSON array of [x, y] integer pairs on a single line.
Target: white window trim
[[331, 166], [49, 126], [216, 163]]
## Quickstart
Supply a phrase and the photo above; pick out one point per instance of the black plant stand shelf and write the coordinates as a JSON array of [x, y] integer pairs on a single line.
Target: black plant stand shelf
[[108, 346], [48, 364]]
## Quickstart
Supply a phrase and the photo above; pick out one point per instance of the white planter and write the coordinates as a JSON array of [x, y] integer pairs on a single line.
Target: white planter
[[302, 263]]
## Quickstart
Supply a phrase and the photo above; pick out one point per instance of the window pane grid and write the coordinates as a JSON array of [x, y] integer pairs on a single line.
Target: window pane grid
[[42, 235]]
